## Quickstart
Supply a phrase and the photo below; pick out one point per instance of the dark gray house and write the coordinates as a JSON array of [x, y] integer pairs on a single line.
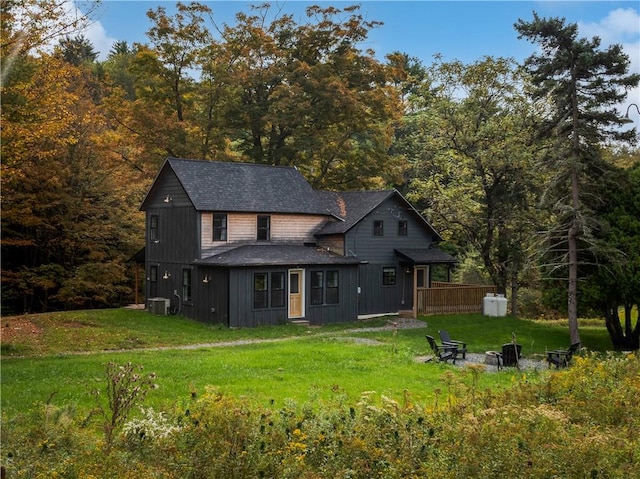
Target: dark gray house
[[242, 244]]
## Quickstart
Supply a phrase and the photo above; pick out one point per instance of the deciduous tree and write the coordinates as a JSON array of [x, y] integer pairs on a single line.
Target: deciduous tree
[[473, 171], [307, 95]]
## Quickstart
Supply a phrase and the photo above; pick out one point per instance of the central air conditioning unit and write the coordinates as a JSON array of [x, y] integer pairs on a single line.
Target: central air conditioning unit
[[159, 306]]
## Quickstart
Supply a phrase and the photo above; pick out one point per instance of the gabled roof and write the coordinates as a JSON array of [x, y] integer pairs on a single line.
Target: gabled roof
[[255, 188], [353, 206], [244, 187], [261, 255]]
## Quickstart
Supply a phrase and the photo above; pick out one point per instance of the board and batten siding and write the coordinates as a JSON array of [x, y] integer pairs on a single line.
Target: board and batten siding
[[378, 252], [347, 307], [361, 243], [209, 299], [243, 314], [177, 221], [242, 227]]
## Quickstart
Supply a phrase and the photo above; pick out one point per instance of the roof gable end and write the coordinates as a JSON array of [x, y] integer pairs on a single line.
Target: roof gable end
[[243, 187]]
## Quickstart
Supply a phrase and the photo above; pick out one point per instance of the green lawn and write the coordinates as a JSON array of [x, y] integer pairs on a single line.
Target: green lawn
[[306, 363]]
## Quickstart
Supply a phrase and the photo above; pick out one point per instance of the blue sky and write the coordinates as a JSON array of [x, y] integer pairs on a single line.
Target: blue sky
[[462, 30]]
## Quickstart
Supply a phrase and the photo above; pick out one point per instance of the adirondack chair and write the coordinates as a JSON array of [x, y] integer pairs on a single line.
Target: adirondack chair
[[562, 357], [511, 353], [443, 352], [460, 345]]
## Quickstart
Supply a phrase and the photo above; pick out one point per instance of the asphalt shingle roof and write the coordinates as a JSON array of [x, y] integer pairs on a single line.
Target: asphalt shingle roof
[[351, 206], [260, 255], [246, 187], [255, 188], [426, 255]]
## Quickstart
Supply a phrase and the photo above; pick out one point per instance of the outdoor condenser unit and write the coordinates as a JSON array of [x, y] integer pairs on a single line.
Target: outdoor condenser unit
[[158, 306]]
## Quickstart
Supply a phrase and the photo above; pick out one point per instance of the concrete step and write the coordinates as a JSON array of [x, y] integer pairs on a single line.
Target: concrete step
[[300, 322]]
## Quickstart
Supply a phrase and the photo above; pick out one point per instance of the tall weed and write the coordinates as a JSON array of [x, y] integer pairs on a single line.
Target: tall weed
[[580, 422]]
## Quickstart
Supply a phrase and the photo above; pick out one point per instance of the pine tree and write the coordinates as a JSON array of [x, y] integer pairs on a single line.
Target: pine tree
[[582, 84]]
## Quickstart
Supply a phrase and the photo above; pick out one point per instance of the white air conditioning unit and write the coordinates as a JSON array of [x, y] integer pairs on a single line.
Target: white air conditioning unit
[[158, 306]]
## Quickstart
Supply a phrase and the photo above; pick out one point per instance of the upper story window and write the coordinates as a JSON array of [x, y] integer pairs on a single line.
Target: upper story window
[[186, 285], [153, 228], [378, 228], [219, 227], [264, 228], [403, 228]]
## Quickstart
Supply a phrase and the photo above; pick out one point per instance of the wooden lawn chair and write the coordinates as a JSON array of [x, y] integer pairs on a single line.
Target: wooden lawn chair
[[443, 352], [562, 357], [460, 345]]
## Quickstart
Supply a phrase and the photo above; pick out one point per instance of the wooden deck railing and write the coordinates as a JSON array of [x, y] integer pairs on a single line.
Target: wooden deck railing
[[452, 298]]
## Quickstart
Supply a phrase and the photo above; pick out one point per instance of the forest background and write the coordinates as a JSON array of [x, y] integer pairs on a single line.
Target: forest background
[[472, 145]]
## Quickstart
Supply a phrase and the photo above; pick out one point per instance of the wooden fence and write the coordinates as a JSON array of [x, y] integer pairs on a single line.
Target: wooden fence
[[452, 298]]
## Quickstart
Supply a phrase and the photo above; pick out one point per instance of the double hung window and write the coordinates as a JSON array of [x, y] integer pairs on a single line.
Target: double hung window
[[277, 290], [264, 228], [186, 285], [219, 227], [378, 228], [260, 290], [153, 228], [332, 287], [317, 287], [269, 293], [389, 276], [403, 228], [324, 287]]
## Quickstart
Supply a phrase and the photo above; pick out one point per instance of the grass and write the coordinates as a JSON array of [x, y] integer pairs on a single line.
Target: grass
[[116, 329], [304, 363]]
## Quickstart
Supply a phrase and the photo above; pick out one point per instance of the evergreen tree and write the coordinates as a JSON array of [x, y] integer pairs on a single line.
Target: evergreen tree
[[582, 84]]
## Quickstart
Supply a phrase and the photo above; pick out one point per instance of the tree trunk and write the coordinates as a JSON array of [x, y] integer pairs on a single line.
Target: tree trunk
[[622, 339], [572, 293], [514, 297]]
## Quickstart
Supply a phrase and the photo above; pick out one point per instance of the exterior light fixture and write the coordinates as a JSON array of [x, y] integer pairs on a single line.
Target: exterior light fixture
[[166, 275], [206, 279], [167, 199], [626, 118]]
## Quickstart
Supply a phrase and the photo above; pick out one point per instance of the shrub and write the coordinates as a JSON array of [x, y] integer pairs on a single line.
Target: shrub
[[577, 422]]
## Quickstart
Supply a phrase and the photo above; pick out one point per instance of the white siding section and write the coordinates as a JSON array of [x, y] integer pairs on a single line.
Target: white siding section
[[242, 228]]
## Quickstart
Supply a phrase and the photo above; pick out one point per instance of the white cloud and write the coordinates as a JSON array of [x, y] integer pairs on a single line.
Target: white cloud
[[619, 26], [98, 37], [95, 33], [69, 13]]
